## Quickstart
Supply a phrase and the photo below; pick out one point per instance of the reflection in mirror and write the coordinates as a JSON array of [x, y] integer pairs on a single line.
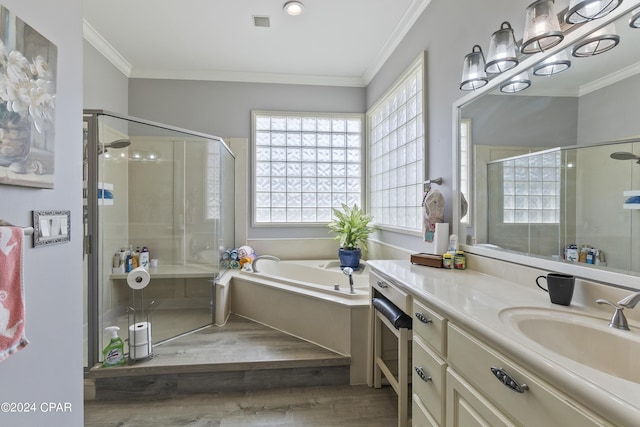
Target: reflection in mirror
[[573, 191]]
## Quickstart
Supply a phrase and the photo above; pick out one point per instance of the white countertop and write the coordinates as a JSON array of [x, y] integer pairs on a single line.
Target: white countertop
[[475, 301]]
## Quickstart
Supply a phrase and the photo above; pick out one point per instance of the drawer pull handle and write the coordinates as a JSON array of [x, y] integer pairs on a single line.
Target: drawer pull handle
[[424, 377], [421, 317], [506, 379], [382, 284]]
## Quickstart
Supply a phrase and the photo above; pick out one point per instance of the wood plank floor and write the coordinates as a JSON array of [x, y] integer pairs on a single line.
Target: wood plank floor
[[241, 344], [349, 406]]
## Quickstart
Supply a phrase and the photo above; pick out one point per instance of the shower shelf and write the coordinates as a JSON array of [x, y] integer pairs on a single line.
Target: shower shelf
[[631, 193]]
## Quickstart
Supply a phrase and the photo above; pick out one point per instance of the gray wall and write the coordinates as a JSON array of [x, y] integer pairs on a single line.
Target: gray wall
[[537, 121], [224, 108], [49, 369], [104, 86], [610, 113]]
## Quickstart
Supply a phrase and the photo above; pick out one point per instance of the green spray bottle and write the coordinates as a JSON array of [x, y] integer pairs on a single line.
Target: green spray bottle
[[113, 353]]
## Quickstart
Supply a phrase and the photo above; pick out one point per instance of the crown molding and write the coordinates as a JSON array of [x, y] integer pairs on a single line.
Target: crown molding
[[619, 75], [400, 31], [104, 47], [247, 77]]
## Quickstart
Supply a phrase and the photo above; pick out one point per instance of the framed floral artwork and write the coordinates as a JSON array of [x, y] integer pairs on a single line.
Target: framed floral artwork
[[28, 65]]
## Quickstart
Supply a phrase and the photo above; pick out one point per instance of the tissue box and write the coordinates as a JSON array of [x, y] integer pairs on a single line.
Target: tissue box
[[427, 260]]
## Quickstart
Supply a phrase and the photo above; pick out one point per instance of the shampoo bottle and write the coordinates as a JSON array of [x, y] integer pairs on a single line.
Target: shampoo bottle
[[143, 258], [113, 353]]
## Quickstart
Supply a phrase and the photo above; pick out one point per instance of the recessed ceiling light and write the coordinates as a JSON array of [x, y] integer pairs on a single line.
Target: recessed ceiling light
[[293, 8]]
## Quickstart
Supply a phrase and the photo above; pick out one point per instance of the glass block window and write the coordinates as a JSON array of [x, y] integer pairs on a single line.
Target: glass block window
[[305, 165], [532, 189], [465, 159], [396, 153]]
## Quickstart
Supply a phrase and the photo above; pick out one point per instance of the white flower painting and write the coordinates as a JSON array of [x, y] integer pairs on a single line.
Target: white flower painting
[[28, 64]]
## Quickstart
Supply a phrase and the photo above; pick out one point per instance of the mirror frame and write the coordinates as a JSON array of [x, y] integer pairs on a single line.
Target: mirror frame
[[613, 278]]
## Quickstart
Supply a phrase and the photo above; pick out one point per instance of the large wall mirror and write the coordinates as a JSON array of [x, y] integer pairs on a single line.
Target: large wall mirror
[[557, 164]]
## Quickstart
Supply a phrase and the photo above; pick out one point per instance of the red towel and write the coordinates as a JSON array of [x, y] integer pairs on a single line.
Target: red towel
[[12, 336]]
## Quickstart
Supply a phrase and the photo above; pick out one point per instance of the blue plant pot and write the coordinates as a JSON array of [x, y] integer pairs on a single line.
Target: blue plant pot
[[350, 258]]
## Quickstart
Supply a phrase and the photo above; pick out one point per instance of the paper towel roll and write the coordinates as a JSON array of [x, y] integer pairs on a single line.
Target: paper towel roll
[[138, 278], [440, 239]]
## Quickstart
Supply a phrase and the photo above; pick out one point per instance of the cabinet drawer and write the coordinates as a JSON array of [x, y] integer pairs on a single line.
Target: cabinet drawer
[[537, 406], [394, 294], [430, 326], [428, 376], [420, 417]]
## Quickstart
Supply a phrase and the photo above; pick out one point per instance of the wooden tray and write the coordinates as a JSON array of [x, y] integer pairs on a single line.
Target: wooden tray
[[427, 260]]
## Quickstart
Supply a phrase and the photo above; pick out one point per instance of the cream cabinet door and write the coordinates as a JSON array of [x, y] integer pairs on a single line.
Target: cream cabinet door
[[468, 408]]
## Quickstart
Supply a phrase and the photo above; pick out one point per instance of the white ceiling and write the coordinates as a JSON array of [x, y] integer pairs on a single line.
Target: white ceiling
[[335, 42]]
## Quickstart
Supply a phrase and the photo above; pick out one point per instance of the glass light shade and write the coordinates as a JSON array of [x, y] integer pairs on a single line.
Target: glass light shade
[[588, 10], [293, 8], [541, 28], [553, 65], [502, 50], [634, 21], [597, 42], [516, 83], [473, 74]]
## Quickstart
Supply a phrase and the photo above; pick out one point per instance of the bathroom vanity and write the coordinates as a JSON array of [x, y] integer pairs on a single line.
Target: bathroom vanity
[[489, 350]]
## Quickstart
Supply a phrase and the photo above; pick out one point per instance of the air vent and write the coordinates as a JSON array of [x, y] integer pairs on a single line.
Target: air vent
[[262, 21]]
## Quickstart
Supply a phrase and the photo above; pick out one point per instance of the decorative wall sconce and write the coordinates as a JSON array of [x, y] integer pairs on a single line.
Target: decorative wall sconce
[[517, 83], [541, 28], [598, 42], [502, 50], [473, 70], [588, 10], [553, 65], [634, 21]]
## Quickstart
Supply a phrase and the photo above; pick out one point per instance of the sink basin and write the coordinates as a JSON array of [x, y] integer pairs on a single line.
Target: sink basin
[[584, 339]]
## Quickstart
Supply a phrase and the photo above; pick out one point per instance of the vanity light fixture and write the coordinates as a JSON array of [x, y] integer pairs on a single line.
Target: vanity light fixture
[[597, 42], [587, 10], [293, 8], [553, 65], [541, 28], [516, 83], [473, 70], [634, 21], [502, 50]]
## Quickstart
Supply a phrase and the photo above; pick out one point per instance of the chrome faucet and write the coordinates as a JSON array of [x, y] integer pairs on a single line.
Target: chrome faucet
[[254, 263], [348, 271], [618, 320]]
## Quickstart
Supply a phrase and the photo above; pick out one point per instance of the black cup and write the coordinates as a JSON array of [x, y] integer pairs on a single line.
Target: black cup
[[560, 287]]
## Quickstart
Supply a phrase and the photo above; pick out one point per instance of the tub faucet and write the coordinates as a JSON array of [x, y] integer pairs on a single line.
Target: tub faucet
[[349, 271], [618, 320], [254, 263]]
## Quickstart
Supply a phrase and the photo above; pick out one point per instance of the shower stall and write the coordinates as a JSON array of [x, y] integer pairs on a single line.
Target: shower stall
[[169, 190]]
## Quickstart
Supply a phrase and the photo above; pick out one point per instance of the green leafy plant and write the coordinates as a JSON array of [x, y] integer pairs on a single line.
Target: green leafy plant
[[352, 227]]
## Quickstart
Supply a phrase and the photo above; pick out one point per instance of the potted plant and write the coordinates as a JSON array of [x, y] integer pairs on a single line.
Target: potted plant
[[352, 227]]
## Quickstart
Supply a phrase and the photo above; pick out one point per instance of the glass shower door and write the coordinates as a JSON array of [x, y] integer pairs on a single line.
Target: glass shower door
[[158, 189]]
